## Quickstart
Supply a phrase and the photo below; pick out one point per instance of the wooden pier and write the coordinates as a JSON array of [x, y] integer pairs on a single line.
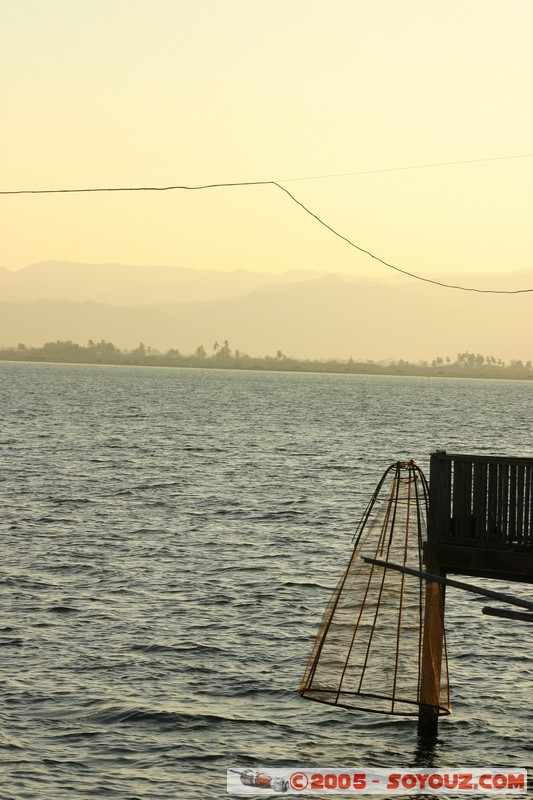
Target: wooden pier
[[480, 524]]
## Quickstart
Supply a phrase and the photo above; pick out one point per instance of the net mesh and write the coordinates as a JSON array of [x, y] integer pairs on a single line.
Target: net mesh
[[369, 652]]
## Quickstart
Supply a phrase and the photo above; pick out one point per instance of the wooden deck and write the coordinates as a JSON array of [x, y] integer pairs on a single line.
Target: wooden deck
[[481, 516]]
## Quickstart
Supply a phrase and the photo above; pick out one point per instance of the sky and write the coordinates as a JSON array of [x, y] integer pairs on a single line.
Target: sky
[[162, 92]]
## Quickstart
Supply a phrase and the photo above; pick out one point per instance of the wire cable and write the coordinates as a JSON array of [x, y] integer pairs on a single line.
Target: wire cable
[[398, 269], [411, 166], [294, 199]]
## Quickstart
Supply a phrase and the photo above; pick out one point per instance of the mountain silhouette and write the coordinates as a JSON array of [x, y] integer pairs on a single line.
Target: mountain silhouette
[[304, 314]]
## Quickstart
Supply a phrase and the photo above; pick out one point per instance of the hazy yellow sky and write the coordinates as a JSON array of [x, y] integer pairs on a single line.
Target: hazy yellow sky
[[158, 92]]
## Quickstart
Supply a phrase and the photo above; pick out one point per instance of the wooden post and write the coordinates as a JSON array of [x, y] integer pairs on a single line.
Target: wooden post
[[433, 633], [430, 675]]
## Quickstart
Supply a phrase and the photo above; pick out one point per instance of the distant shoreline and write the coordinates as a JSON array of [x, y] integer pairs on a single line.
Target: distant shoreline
[[271, 364]]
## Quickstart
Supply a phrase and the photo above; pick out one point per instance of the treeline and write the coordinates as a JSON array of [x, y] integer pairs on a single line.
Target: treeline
[[222, 356]]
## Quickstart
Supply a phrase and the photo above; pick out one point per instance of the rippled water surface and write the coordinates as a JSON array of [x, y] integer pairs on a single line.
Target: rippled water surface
[[170, 540]]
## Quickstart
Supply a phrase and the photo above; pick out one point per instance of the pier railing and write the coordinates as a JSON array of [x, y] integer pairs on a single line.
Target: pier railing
[[481, 505]]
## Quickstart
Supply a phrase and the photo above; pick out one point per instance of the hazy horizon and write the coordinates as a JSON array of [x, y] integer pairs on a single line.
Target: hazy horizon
[[305, 314]]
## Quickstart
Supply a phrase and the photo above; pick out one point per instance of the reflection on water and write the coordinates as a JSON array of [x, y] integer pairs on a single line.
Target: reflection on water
[[171, 538]]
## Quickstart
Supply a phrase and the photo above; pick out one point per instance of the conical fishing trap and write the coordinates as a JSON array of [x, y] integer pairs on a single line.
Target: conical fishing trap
[[368, 653]]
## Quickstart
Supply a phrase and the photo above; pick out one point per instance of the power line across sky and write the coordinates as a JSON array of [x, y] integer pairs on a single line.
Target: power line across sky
[[278, 184]]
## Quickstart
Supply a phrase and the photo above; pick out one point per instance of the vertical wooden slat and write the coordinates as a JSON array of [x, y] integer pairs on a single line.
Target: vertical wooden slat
[[520, 533], [528, 503], [468, 509], [456, 493], [439, 523], [462, 498], [511, 505], [492, 502], [479, 502], [505, 509], [503, 501]]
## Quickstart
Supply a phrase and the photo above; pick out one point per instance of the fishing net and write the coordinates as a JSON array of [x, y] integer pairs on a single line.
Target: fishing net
[[371, 652]]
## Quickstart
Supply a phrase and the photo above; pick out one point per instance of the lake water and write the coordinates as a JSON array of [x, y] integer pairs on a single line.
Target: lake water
[[170, 540]]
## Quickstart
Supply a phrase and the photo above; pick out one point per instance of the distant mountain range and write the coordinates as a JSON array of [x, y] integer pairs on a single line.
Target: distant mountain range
[[126, 285], [303, 314]]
